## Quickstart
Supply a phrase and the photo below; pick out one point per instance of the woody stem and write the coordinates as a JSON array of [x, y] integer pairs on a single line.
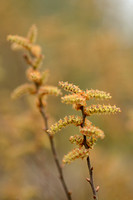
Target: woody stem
[[91, 181]]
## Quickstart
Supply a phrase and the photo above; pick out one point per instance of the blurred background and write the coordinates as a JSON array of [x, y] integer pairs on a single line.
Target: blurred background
[[88, 43]]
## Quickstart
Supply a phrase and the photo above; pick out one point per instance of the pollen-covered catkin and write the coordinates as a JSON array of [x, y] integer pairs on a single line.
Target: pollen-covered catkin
[[101, 109], [49, 90], [33, 75], [74, 99], [92, 131], [97, 94], [23, 89], [76, 139], [35, 50], [71, 119], [69, 87], [76, 153], [23, 42]]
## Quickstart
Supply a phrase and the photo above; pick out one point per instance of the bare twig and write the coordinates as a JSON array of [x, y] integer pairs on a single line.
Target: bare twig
[[88, 161]]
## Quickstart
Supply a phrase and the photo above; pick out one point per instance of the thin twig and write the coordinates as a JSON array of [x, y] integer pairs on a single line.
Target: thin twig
[[88, 160], [91, 178], [45, 119]]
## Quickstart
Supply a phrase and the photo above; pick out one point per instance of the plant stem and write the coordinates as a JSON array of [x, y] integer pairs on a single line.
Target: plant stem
[[88, 159], [45, 119], [91, 178]]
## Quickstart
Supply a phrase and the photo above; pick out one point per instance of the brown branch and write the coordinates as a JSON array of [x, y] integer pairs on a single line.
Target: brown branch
[[88, 160], [91, 179], [45, 119]]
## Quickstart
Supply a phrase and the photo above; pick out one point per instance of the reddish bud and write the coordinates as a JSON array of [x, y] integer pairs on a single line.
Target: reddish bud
[[97, 188]]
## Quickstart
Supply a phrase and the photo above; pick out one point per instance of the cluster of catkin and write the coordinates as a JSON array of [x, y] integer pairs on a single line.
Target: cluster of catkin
[[37, 86], [78, 98], [33, 57]]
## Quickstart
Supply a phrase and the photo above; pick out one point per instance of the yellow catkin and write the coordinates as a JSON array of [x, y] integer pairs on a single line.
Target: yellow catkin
[[92, 131], [23, 89], [76, 139], [69, 87], [91, 141], [76, 153], [49, 90], [24, 42], [33, 75], [71, 119], [74, 99], [79, 140], [97, 94], [101, 109], [35, 50]]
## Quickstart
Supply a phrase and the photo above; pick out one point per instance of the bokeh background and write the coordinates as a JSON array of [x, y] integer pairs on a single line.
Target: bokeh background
[[88, 43]]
